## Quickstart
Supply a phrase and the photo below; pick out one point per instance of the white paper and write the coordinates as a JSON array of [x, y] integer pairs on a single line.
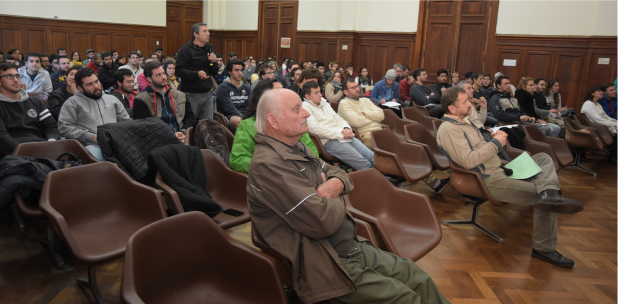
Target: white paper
[[498, 127], [392, 104]]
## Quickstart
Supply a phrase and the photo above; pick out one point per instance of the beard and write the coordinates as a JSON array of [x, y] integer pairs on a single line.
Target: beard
[[125, 90], [158, 84], [94, 95]]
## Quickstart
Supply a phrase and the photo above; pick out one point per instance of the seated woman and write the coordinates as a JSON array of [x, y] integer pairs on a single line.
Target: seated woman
[[594, 110], [244, 144], [332, 87], [170, 68], [525, 97], [363, 79]]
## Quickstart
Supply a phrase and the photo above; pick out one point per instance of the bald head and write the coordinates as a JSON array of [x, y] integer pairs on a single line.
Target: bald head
[[280, 115]]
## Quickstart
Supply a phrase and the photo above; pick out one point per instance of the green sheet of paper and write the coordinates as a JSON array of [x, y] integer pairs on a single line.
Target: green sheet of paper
[[523, 167]]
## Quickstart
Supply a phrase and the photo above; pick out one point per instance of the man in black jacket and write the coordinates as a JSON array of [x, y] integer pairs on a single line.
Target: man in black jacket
[[124, 89], [422, 95], [22, 118], [58, 97], [107, 70], [442, 84], [195, 63]]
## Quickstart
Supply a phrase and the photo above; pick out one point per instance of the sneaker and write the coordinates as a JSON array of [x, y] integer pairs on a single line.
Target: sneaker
[[551, 200], [554, 258], [443, 184]]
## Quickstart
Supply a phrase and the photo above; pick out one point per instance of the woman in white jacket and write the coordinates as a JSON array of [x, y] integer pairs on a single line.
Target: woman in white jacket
[[595, 111]]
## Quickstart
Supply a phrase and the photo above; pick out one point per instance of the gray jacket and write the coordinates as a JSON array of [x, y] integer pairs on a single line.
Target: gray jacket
[[41, 83], [80, 116]]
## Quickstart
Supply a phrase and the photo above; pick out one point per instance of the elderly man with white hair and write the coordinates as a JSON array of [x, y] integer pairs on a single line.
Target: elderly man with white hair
[[296, 204]]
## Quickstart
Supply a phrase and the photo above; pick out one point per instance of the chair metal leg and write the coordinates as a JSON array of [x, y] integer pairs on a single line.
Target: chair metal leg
[[578, 156], [91, 284], [49, 240], [19, 218], [473, 222]]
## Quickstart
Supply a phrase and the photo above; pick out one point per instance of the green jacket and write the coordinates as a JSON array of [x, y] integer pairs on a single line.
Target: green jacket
[[244, 144]]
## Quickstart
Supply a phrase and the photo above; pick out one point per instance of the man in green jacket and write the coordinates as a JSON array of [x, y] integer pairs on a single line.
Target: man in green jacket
[[296, 204], [244, 142]]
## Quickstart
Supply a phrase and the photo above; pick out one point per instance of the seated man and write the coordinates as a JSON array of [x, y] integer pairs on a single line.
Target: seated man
[[89, 108], [442, 84], [222, 72], [404, 89], [125, 89], [59, 77], [487, 88], [609, 99], [422, 95], [359, 112], [335, 133], [58, 97], [307, 75], [505, 107], [36, 78], [386, 90], [232, 94], [244, 142], [265, 72], [305, 219], [23, 118], [160, 101], [464, 145]]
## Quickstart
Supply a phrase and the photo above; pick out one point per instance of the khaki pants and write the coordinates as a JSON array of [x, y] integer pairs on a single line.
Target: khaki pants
[[366, 139], [521, 192], [382, 277]]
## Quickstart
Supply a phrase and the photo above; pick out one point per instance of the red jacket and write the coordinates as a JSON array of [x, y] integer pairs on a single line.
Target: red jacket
[[93, 66], [404, 90]]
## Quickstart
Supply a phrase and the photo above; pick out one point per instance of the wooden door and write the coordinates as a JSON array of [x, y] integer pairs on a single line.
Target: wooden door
[[181, 16], [455, 36], [277, 20]]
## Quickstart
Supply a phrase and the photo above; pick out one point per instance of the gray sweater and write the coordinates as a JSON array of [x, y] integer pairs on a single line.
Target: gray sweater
[[419, 93], [80, 116]]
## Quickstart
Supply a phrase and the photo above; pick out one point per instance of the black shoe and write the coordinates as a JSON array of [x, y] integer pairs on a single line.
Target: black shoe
[[554, 258], [551, 200], [443, 184]]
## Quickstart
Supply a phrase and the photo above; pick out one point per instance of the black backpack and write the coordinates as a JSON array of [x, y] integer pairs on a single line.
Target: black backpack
[[210, 135]]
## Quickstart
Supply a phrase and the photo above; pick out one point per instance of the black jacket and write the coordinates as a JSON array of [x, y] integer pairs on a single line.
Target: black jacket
[[189, 61], [124, 101], [526, 102], [56, 99], [437, 88], [541, 101], [182, 168], [503, 114], [128, 143], [106, 76], [287, 82]]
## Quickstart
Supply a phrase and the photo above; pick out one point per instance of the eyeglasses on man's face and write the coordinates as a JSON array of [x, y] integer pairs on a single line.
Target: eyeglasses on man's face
[[11, 76]]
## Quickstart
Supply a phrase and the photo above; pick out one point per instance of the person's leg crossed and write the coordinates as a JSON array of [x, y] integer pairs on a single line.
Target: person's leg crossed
[[347, 154]]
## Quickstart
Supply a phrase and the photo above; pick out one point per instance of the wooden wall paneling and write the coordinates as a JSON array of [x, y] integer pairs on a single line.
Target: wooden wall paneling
[[439, 37], [537, 64], [81, 43], [103, 42], [472, 36], [122, 44], [175, 41], [11, 37], [287, 28], [60, 39], [271, 29], [568, 72], [37, 40], [511, 71], [419, 42], [154, 45], [141, 42], [601, 73]]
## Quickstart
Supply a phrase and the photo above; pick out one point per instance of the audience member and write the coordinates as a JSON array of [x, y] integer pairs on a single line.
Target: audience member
[[321, 67], [513, 89], [292, 83], [124, 89], [442, 84], [335, 133], [332, 67], [349, 71], [160, 101], [87, 109], [134, 66], [23, 118], [468, 76], [121, 60], [142, 82], [89, 57], [363, 80], [53, 67], [244, 142], [609, 99], [470, 151], [140, 60], [360, 112], [44, 62], [16, 53], [35, 78], [60, 75], [155, 57], [525, 98], [386, 89], [288, 78], [332, 88], [284, 66], [308, 74], [422, 95], [454, 79], [10, 59], [406, 71], [487, 88], [138, 51], [170, 71], [109, 67], [62, 52], [76, 59], [404, 88], [114, 56], [159, 52], [398, 72], [233, 94], [222, 73], [95, 63], [594, 110], [275, 68], [246, 73], [57, 98], [319, 224], [233, 55], [265, 72], [477, 84]]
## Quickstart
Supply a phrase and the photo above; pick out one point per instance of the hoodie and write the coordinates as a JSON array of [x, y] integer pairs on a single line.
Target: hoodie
[[80, 116], [41, 83], [24, 120], [231, 100], [504, 107]]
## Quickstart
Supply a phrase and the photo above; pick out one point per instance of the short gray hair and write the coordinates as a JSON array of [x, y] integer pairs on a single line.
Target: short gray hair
[[195, 29], [466, 81], [97, 55], [266, 105], [397, 65]]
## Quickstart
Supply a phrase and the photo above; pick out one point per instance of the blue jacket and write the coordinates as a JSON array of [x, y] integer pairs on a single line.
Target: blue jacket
[[380, 91], [609, 106], [220, 77]]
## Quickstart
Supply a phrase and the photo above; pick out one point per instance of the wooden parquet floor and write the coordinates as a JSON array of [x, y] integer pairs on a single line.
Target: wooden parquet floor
[[467, 265]]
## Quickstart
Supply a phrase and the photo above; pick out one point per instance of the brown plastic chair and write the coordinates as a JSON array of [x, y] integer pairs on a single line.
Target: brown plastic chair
[[470, 184], [225, 186], [536, 142], [222, 120], [436, 125], [95, 209], [604, 134], [419, 135], [335, 106], [396, 124], [188, 259], [405, 220], [420, 115], [228, 136], [397, 158], [321, 150], [189, 137], [581, 141]]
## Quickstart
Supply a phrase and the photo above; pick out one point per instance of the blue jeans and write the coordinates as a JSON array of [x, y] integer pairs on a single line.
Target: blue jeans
[[555, 129], [95, 150], [354, 153], [201, 104]]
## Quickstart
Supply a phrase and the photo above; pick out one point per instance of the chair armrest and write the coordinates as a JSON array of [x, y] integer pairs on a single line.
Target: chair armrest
[[385, 126], [536, 147], [170, 193]]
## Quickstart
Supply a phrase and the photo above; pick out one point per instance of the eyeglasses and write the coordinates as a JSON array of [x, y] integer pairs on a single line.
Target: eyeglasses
[[11, 76], [270, 73]]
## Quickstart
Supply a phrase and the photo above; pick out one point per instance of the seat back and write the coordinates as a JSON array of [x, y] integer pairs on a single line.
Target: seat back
[[436, 125], [533, 132], [223, 183], [604, 134], [189, 137], [395, 123], [417, 134], [222, 120], [335, 106], [53, 149], [578, 138], [189, 259], [419, 114], [321, 150], [394, 157], [470, 183]]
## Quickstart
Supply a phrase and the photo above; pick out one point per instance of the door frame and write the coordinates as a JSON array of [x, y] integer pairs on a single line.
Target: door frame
[[261, 28]]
